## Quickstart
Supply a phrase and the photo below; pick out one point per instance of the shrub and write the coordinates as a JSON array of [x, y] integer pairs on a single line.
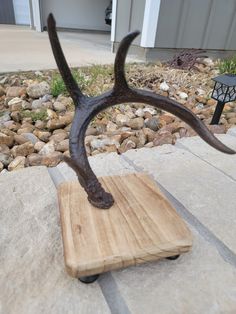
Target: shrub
[[228, 65]]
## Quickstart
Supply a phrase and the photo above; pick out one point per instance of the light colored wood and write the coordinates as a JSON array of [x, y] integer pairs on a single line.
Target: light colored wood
[[141, 226]]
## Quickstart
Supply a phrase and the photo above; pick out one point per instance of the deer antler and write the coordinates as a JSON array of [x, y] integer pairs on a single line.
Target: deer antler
[[86, 109]]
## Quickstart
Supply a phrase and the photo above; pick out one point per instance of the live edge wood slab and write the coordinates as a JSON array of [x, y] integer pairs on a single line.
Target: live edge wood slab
[[141, 226]]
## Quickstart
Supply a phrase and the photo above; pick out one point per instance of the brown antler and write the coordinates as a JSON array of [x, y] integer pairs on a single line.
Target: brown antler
[[86, 109]]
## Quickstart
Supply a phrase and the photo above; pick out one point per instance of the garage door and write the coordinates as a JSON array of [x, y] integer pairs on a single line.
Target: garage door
[[22, 12]]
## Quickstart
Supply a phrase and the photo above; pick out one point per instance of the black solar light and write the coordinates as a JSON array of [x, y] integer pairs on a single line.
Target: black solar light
[[224, 91]]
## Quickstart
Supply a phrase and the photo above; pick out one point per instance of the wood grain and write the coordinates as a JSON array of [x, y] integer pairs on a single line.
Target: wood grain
[[141, 226]]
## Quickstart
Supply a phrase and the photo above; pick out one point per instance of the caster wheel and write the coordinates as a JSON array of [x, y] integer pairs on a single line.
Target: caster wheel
[[172, 258], [88, 279]]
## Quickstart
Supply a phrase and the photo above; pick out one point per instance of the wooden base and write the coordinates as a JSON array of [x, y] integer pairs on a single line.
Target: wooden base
[[141, 226]]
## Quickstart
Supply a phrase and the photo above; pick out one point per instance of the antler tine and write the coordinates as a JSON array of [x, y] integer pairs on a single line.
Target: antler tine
[[63, 67], [119, 67]]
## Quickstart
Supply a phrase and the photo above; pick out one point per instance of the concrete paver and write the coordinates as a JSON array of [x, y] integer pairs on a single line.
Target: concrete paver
[[198, 282], [24, 49], [223, 162], [32, 275], [204, 190]]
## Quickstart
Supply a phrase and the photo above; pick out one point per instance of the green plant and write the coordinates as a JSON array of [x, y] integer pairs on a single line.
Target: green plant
[[228, 65], [58, 86], [35, 115]]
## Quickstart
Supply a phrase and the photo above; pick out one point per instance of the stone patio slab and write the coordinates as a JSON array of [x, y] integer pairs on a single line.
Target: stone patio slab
[[223, 162], [32, 275], [197, 282], [204, 190]]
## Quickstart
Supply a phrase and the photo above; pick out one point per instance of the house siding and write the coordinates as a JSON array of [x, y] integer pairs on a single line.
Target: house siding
[[205, 24], [129, 17]]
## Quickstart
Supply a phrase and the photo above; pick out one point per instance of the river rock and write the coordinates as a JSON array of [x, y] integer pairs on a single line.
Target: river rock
[[42, 135], [48, 148], [38, 89], [30, 137], [152, 111], [5, 117], [126, 145], [50, 160], [164, 138], [2, 91], [37, 104], [183, 95], [20, 139], [5, 159], [38, 146], [164, 87], [153, 123], [63, 146], [6, 139], [23, 149], [58, 137], [15, 104], [15, 91], [58, 106], [136, 123], [139, 112], [122, 120], [1, 166], [17, 163]]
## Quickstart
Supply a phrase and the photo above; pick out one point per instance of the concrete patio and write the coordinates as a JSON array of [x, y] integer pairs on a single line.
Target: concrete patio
[[199, 181], [23, 49]]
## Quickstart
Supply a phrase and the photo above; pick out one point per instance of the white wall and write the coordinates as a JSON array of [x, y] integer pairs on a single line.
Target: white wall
[[81, 14]]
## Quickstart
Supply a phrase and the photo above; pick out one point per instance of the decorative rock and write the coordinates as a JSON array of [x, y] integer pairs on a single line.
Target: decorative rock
[[91, 131], [11, 125], [136, 123], [19, 139], [183, 95], [167, 118], [61, 122], [37, 104], [107, 141], [122, 120], [42, 135], [164, 87], [48, 148], [38, 90], [26, 105], [17, 163], [40, 124], [25, 128], [38, 146], [150, 135], [126, 145], [15, 104], [51, 114], [4, 149], [1, 166], [15, 115], [5, 117], [217, 129], [153, 123], [139, 112], [232, 121], [15, 91], [30, 137], [5, 159], [67, 101], [111, 127], [63, 146], [6, 139], [152, 111], [164, 138], [58, 106], [52, 160], [101, 128], [58, 137], [23, 149], [199, 106], [2, 91], [211, 102]]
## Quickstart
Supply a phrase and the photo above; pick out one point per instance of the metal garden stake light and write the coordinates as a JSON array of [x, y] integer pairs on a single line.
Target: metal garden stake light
[[224, 91]]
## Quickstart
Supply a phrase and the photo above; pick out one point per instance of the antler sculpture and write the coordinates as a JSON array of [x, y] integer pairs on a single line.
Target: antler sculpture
[[86, 108]]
